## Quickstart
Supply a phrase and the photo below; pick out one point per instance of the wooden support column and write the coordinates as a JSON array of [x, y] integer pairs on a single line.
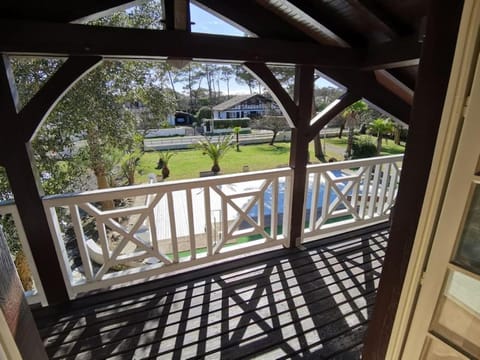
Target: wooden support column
[[17, 129], [432, 84], [303, 97]]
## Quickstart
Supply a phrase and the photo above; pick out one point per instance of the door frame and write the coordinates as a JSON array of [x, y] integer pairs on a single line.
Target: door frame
[[460, 82]]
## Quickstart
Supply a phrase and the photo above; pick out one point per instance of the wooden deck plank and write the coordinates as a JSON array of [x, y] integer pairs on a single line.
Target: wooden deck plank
[[288, 302]]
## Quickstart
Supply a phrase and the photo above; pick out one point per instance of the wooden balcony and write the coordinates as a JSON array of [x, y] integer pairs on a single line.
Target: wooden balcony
[[315, 301]]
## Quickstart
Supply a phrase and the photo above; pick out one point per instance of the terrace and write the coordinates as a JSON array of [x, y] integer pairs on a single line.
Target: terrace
[[301, 261]]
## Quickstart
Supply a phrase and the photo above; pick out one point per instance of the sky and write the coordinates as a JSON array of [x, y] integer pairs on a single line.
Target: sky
[[204, 22]]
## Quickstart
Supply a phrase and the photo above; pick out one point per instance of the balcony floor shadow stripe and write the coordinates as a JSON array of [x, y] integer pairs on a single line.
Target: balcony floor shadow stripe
[[54, 314], [169, 280], [48, 331], [317, 296]]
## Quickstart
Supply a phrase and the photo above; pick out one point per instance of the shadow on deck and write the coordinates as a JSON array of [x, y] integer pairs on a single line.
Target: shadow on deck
[[282, 304]]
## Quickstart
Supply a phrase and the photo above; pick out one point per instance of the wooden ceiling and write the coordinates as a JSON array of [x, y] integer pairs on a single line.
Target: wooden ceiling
[[372, 47]]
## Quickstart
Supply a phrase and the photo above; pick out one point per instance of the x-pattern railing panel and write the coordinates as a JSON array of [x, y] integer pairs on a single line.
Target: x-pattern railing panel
[[347, 195], [165, 226]]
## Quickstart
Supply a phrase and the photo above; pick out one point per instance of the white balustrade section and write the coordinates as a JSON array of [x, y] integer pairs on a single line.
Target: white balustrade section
[[36, 295], [165, 227], [344, 196]]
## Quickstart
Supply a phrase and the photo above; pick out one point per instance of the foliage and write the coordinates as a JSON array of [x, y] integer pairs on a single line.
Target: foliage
[[215, 150], [231, 123], [272, 123], [129, 166], [380, 127], [164, 158], [92, 119], [23, 271], [352, 115], [205, 112], [363, 147], [163, 161]]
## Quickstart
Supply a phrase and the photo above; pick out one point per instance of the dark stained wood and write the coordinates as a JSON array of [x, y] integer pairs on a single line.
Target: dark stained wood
[[15, 308], [365, 84], [24, 183], [46, 98], [280, 304], [177, 14], [265, 75], [400, 52], [435, 66], [74, 39], [303, 96], [323, 119], [56, 11], [255, 18]]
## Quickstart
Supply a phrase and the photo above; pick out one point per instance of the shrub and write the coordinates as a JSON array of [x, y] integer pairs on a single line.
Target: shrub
[[363, 147]]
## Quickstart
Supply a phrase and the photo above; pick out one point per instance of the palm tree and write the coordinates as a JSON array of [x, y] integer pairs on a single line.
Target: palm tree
[[163, 160], [380, 127], [215, 150], [352, 116], [236, 131]]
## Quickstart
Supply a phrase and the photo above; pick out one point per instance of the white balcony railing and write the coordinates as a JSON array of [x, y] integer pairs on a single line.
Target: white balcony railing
[[36, 294], [343, 196], [165, 227]]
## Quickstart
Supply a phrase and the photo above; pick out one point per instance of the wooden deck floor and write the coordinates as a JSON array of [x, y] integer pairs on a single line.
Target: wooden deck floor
[[312, 303]]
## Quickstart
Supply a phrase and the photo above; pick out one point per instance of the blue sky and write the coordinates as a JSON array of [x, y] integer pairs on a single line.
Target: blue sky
[[204, 22], [209, 24]]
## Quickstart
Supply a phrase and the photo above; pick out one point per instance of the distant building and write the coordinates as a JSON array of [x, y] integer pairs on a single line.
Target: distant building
[[242, 106]]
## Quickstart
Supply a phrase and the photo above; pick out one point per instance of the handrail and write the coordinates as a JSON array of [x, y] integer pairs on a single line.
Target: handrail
[[167, 226]]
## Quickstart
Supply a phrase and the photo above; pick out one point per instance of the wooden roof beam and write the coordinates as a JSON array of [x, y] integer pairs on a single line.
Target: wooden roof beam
[[396, 53], [39, 38], [265, 75], [47, 97], [366, 85], [334, 109]]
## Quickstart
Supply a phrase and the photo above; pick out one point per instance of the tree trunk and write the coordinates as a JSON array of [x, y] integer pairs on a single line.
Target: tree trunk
[[348, 151], [102, 183], [272, 141], [340, 132], [317, 144], [396, 135], [379, 143], [215, 168]]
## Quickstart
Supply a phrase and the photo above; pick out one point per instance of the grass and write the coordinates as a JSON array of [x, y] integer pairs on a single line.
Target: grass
[[388, 146], [186, 164]]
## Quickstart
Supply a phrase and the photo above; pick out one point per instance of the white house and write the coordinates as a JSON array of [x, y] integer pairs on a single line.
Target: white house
[[245, 106]]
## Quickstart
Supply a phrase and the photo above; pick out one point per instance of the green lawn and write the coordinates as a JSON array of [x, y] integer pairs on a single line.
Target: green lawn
[[388, 146], [186, 164]]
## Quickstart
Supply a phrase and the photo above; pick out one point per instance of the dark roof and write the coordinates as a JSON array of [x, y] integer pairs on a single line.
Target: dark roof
[[235, 101], [371, 46]]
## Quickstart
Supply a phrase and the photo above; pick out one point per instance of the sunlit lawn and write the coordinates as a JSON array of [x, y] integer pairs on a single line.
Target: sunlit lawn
[[186, 164]]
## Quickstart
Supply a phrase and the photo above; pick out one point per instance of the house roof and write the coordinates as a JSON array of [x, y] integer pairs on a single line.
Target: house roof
[[371, 47], [235, 101]]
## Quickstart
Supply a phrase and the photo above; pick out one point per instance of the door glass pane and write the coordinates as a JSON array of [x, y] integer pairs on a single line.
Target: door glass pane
[[435, 350], [468, 251], [457, 317]]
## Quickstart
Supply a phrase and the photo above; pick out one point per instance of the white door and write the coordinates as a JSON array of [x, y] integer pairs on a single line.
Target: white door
[[446, 319]]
